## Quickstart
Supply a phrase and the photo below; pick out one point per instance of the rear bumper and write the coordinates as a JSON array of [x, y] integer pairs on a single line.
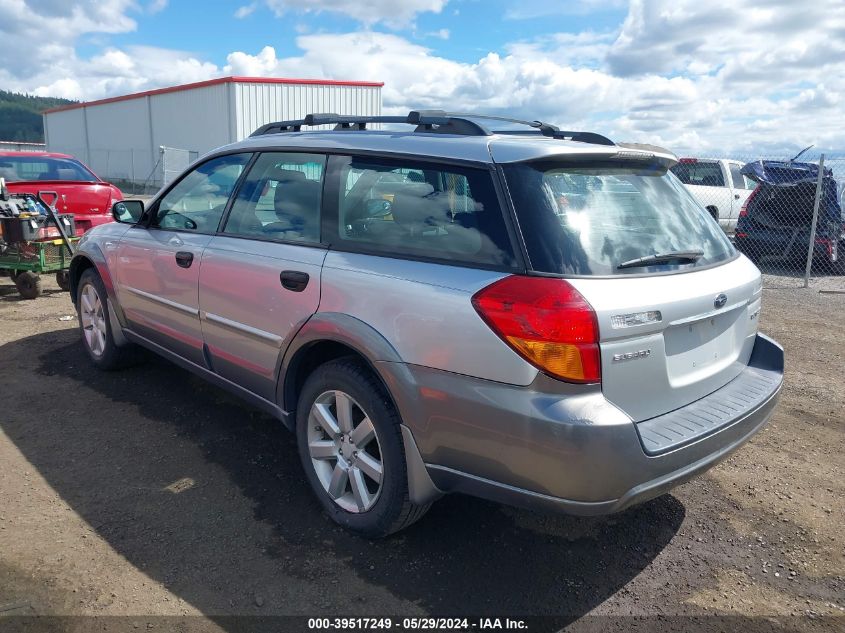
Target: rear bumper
[[566, 448]]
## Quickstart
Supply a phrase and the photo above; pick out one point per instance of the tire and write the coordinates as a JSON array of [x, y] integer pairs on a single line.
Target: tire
[[95, 326], [28, 284], [385, 508], [63, 280]]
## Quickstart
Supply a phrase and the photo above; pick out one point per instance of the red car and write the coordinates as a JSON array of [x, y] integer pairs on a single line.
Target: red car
[[79, 190]]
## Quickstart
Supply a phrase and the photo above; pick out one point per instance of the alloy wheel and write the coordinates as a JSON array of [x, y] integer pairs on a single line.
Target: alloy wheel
[[93, 320], [345, 451]]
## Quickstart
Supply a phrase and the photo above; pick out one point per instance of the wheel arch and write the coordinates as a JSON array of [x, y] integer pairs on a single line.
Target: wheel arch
[[326, 336], [331, 335], [93, 257], [78, 265]]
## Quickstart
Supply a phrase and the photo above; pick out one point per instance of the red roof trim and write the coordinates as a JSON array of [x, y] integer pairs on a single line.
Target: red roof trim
[[215, 82]]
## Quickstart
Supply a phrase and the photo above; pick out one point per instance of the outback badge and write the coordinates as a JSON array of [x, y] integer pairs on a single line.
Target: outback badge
[[643, 353]]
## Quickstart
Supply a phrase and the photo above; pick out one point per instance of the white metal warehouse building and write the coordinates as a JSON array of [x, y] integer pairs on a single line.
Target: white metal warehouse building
[[151, 136]]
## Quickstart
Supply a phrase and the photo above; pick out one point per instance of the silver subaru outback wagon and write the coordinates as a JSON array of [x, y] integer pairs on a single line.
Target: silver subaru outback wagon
[[469, 304]]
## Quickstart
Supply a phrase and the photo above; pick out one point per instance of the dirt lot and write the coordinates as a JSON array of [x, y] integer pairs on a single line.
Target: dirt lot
[[150, 493]]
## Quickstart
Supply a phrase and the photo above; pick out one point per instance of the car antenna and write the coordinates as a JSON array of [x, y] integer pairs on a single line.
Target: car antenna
[[794, 158]]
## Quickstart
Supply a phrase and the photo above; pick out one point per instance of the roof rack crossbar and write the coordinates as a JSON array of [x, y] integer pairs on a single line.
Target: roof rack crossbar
[[546, 129], [425, 121], [431, 121]]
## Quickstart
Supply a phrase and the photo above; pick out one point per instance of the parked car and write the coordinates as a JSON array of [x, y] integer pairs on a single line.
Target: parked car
[[777, 219], [718, 185], [428, 318], [62, 180]]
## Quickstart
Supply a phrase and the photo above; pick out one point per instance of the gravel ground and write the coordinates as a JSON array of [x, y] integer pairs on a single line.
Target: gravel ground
[[149, 493]]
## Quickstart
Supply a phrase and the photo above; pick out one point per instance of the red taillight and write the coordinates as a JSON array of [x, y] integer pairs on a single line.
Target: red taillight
[[743, 211], [547, 322], [688, 160]]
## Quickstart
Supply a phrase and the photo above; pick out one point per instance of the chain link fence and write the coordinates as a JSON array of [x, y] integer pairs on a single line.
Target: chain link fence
[[174, 161], [135, 171], [785, 214]]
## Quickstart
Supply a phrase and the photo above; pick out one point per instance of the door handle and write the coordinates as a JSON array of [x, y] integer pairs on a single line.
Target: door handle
[[736, 196], [184, 259], [294, 280]]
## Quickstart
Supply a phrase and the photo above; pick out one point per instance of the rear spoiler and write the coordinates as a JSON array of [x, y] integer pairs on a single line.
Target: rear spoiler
[[662, 155]]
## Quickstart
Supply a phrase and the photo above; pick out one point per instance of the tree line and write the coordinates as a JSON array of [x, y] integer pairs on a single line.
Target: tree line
[[20, 116]]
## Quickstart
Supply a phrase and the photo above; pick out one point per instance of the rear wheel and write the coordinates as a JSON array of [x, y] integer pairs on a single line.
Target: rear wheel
[[28, 284], [351, 449]]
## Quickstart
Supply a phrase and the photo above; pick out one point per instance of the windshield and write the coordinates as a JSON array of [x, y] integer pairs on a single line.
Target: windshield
[[36, 167], [590, 219]]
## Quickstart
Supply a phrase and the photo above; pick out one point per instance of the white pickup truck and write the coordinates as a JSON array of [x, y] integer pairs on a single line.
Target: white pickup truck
[[718, 185]]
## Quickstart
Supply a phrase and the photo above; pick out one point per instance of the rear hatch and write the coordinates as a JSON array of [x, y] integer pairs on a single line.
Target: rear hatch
[[669, 340], [676, 305]]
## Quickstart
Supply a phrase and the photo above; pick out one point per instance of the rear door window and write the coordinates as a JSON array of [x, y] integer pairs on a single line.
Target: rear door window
[[587, 219], [697, 172], [280, 198], [422, 210]]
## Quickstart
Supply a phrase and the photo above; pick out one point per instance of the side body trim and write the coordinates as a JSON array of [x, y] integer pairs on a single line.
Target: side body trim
[[166, 302], [245, 329]]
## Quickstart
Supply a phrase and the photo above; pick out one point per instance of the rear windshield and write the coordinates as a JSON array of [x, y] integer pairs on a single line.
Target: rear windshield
[[29, 168], [703, 173], [589, 219]]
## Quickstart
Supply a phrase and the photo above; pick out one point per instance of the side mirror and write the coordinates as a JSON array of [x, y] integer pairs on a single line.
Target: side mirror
[[128, 211]]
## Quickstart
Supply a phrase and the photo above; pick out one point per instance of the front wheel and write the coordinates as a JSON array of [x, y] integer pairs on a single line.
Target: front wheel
[[97, 337], [351, 449]]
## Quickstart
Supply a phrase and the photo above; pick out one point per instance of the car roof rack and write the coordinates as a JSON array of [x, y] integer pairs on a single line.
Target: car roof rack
[[434, 121]]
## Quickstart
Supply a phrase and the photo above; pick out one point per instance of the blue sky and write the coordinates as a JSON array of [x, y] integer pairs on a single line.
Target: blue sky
[[751, 78], [475, 27]]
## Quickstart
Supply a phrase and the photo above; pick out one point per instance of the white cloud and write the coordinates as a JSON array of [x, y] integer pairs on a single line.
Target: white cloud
[[369, 12], [156, 6], [777, 39], [246, 10], [37, 39], [567, 79], [748, 80]]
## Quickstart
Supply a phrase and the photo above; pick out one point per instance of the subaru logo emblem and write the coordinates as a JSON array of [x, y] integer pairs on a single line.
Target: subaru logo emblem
[[720, 300]]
